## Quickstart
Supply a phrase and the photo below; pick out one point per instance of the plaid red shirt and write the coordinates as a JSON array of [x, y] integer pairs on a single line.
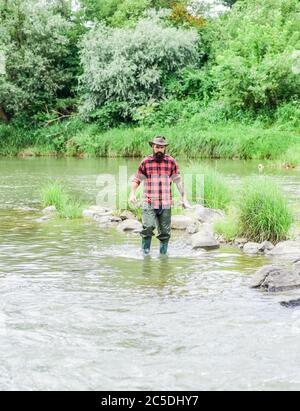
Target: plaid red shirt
[[157, 178]]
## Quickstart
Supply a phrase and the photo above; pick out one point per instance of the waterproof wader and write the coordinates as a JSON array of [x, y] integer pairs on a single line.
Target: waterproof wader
[[160, 219]]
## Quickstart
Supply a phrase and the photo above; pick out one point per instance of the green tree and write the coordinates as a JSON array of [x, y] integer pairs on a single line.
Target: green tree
[[126, 68], [39, 42], [252, 50], [119, 13]]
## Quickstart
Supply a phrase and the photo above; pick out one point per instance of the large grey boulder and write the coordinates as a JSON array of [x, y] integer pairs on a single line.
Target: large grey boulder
[[274, 278], [285, 249], [181, 222], [130, 226], [204, 240], [206, 215], [193, 228]]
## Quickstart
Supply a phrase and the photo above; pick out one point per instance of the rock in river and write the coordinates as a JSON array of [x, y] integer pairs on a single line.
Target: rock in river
[[181, 222], [204, 240], [289, 249], [273, 278], [251, 248], [130, 225]]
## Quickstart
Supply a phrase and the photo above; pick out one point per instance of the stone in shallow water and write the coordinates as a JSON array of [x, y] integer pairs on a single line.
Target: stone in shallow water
[[44, 218], [286, 249], [204, 240], [102, 219], [99, 211], [266, 246], [193, 228], [49, 210], [251, 248], [291, 304], [130, 225], [181, 222], [273, 278]]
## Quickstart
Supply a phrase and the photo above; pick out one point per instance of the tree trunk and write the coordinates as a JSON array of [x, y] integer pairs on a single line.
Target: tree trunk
[[3, 115]]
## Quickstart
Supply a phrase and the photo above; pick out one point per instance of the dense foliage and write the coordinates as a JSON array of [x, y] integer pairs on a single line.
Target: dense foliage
[[125, 69], [149, 63]]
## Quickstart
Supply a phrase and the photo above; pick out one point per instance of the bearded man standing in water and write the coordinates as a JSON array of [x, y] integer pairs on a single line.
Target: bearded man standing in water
[[157, 171]]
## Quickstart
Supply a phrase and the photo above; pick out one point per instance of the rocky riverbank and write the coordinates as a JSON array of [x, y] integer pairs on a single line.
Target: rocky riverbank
[[197, 224]]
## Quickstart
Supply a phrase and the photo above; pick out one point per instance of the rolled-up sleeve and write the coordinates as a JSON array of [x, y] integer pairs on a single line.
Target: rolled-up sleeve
[[140, 175], [175, 172]]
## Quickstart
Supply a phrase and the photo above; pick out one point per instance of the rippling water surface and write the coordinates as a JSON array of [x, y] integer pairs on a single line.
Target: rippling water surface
[[81, 310]]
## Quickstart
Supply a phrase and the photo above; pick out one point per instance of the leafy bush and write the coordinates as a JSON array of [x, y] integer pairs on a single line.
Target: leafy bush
[[40, 60], [264, 212], [252, 52], [166, 113], [129, 65]]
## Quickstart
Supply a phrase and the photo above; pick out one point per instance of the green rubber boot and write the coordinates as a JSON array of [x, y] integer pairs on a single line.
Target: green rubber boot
[[163, 249], [146, 245]]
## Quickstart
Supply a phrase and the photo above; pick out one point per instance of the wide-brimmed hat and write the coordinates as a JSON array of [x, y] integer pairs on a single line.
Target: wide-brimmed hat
[[159, 140]]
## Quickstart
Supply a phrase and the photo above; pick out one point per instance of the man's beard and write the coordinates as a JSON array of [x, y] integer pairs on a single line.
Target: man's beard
[[159, 156]]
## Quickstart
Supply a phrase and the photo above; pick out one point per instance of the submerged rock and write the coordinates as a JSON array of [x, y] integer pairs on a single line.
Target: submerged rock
[[130, 225], [102, 219], [181, 222], [49, 210], [291, 304], [44, 218], [251, 248], [205, 240], [286, 249], [193, 228], [98, 211], [273, 278]]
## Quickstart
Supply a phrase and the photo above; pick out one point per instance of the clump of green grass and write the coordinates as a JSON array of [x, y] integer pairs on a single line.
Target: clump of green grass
[[54, 194], [264, 212], [229, 227], [216, 190], [72, 210]]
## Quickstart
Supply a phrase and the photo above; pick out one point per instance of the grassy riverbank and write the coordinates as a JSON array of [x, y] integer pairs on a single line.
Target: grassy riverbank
[[190, 139]]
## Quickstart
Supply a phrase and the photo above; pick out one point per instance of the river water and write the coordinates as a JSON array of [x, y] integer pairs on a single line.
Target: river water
[[80, 309]]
